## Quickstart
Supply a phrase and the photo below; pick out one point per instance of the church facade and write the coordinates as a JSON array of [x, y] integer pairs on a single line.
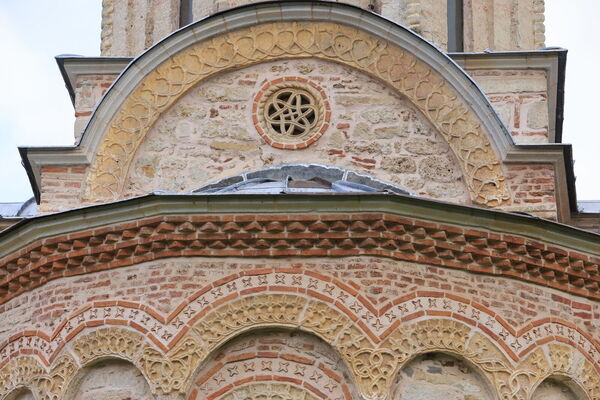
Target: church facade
[[302, 200]]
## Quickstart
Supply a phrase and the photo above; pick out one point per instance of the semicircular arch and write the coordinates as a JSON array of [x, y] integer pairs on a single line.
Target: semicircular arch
[[404, 61], [273, 354]]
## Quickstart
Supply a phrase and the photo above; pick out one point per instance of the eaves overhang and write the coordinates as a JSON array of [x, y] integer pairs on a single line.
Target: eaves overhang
[[28, 230]]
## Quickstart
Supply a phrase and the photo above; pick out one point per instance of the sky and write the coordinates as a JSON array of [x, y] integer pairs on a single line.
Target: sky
[[35, 108]]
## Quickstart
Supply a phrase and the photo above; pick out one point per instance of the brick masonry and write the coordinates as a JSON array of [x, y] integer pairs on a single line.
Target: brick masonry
[[295, 358], [88, 89], [61, 188], [301, 235], [164, 285], [278, 293]]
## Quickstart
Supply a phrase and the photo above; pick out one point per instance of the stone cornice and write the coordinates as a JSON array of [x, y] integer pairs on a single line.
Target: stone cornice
[[404, 228]]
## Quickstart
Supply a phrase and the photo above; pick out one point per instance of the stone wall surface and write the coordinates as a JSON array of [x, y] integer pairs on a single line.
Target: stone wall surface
[[89, 90], [209, 135], [533, 188], [521, 99], [132, 26], [448, 110], [110, 380], [24, 395], [373, 131], [278, 305], [552, 389], [61, 188], [129, 27], [438, 376], [503, 25]]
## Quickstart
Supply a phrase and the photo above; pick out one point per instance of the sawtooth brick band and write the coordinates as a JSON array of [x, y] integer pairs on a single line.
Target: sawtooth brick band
[[328, 235]]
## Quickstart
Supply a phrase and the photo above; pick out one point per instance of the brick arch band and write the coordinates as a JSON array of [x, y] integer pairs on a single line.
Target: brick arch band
[[373, 343], [446, 107]]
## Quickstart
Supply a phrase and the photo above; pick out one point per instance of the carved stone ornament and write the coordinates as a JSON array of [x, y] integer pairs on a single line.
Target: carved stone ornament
[[396, 67], [374, 345], [291, 113]]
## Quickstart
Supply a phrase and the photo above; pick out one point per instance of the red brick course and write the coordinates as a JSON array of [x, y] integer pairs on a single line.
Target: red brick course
[[334, 235], [533, 188]]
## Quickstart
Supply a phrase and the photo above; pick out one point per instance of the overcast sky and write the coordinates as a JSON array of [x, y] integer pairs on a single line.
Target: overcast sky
[[35, 108]]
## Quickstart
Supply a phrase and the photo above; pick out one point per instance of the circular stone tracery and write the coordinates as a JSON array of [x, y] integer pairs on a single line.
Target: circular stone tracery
[[291, 113]]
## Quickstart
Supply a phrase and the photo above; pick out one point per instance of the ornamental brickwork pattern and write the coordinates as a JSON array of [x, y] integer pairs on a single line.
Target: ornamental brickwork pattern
[[374, 340], [329, 235]]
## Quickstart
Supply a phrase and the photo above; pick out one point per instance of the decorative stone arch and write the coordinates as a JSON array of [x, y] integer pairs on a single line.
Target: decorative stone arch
[[373, 362], [330, 31], [44, 383], [123, 344], [313, 303], [567, 362], [19, 374], [449, 336], [290, 357]]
